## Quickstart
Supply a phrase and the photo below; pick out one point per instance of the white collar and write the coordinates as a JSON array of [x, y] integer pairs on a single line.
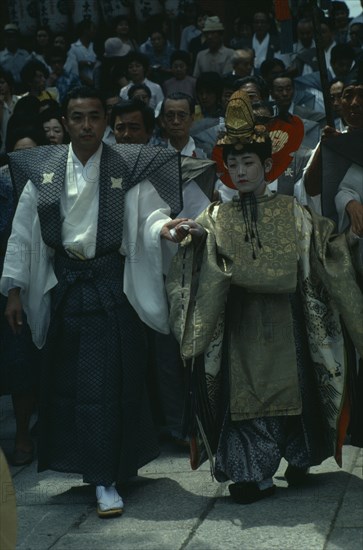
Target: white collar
[[187, 150]]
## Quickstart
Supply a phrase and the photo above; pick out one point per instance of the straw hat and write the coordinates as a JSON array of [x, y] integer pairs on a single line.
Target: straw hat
[[11, 27], [213, 24], [114, 47]]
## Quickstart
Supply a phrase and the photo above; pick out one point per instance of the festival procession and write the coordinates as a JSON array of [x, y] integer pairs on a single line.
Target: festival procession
[[181, 274]]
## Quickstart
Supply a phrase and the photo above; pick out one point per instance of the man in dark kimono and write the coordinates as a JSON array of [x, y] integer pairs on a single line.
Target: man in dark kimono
[[85, 261]]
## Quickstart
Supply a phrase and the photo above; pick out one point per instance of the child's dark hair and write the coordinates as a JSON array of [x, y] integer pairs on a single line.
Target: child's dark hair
[[262, 149]]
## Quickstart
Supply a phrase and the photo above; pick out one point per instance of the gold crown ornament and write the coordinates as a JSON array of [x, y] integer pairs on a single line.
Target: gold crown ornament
[[241, 127]]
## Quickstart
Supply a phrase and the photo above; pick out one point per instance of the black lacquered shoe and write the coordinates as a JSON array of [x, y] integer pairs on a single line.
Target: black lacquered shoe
[[246, 493], [296, 477]]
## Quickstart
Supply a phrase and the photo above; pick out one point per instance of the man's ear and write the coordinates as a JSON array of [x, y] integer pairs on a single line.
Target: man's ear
[[268, 165], [64, 121]]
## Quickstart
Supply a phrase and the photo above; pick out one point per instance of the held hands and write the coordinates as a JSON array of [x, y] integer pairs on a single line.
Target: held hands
[[13, 311], [176, 230]]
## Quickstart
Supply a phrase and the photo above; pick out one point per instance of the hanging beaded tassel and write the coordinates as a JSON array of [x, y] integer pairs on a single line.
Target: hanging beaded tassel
[[248, 204]]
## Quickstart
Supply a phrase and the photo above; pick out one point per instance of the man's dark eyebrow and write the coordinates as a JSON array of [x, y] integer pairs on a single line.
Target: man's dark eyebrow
[[94, 112]]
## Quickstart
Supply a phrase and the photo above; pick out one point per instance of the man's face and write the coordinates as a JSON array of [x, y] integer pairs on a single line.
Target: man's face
[[326, 36], [200, 21], [305, 34], [179, 69], [356, 35], [60, 42], [244, 65], [42, 38], [136, 71], [352, 106], [86, 124], [122, 28], [130, 128], [341, 67], [207, 99], [176, 118], [341, 19], [252, 91], [260, 25], [141, 95], [336, 91], [214, 40], [38, 82], [282, 92], [157, 41], [57, 64]]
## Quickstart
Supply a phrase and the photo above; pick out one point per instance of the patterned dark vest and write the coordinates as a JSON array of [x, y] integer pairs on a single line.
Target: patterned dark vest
[[121, 167]]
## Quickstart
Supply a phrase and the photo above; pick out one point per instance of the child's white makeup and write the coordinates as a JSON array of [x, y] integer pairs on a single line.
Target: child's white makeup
[[247, 172]]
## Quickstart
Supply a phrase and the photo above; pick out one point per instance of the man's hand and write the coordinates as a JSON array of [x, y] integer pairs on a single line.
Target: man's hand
[[355, 212], [168, 230], [329, 131], [13, 311], [176, 230]]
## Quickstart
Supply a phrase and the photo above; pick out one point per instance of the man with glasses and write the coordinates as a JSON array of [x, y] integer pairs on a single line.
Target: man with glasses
[[177, 115]]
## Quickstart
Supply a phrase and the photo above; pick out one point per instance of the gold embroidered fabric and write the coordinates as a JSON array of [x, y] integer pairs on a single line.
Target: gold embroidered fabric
[[275, 267], [198, 285]]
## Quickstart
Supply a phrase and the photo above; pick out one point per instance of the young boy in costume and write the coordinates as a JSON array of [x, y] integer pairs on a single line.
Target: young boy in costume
[[256, 292]]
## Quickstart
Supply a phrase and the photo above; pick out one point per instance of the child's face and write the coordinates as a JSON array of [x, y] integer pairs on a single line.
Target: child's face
[[179, 69], [247, 172]]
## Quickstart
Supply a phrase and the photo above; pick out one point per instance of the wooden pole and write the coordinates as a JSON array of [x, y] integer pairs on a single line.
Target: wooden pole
[[322, 65]]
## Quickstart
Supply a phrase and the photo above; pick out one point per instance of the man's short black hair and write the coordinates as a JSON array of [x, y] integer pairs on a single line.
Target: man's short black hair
[[137, 57], [269, 64], [342, 51], [83, 92], [180, 55], [283, 74], [56, 52], [135, 87], [7, 76], [258, 81], [211, 81], [131, 106], [28, 71], [177, 96], [33, 132]]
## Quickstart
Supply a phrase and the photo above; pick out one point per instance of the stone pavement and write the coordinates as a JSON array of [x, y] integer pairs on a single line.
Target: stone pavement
[[170, 507]]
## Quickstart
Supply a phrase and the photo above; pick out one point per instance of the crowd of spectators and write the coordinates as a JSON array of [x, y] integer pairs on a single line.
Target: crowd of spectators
[[203, 63]]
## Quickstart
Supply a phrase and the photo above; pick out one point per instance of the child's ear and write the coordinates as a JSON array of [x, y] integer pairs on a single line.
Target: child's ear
[[268, 165]]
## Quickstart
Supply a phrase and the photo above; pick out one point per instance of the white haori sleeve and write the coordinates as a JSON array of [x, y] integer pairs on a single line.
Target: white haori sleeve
[[146, 254], [28, 265]]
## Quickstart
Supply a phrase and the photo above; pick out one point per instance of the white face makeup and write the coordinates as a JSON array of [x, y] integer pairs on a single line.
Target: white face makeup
[[247, 172]]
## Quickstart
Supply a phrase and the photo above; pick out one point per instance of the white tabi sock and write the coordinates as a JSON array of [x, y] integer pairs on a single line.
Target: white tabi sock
[[108, 498]]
